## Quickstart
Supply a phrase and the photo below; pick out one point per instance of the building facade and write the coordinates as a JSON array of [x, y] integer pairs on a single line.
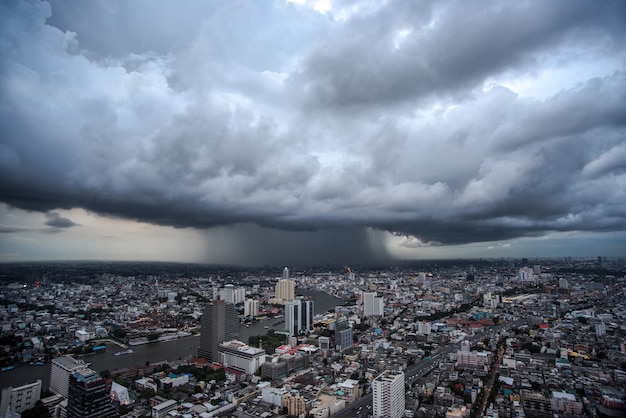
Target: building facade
[[388, 395], [219, 323], [20, 398], [285, 289], [241, 357], [298, 316], [283, 366], [87, 396], [373, 305], [61, 370], [343, 335], [251, 308]]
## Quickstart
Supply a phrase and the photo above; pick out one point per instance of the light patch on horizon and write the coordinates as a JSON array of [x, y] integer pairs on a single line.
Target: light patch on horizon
[[97, 238]]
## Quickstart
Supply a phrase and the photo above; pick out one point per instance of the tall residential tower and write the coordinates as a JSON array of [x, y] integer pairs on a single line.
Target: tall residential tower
[[388, 395]]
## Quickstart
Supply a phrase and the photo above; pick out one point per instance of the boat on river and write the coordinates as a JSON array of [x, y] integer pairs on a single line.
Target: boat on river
[[121, 353]]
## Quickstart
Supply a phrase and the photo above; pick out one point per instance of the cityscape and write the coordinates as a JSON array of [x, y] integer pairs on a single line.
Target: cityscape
[[446, 338], [313, 209]]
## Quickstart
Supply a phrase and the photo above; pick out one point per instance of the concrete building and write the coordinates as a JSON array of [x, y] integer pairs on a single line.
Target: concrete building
[[232, 294], [61, 370], [299, 316], [251, 308], [273, 396], [343, 335], [567, 403], [423, 327], [388, 395], [219, 323], [87, 396], [373, 305], [239, 356], [283, 366], [163, 409], [20, 398], [473, 359], [285, 289], [295, 404]]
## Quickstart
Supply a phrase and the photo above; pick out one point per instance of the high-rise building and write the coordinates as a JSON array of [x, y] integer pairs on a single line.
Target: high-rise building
[[20, 398], [219, 323], [251, 308], [373, 305], [285, 290], [298, 316], [232, 294], [286, 273], [87, 396], [343, 335], [388, 395], [61, 370]]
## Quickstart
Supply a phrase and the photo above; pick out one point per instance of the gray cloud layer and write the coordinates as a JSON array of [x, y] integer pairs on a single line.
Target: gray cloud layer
[[233, 113]]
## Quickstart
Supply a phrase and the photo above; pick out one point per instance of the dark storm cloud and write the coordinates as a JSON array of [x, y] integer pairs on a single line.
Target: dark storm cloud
[[396, 120], [57, 221], [446, 47]]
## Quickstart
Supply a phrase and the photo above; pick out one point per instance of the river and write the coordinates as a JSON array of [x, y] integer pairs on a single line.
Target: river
[[155, 352]]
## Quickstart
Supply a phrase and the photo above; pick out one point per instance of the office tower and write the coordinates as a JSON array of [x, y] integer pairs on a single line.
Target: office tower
[[298, 316], [285, 273], [388, 395], [21, 398], [251, 308], [285, 290], [373, 305], [343, 335], [219, 323], [60, 371], [87, 396]]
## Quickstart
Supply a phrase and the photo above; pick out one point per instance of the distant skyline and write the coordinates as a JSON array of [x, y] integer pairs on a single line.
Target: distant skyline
[[311, 132]]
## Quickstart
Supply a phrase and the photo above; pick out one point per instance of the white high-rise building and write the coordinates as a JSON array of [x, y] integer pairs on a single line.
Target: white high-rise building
[[232, 294], [373, 305], [388, 395], [19, 399], [251, 308], [285, 289], [285, 273], [61, 370]]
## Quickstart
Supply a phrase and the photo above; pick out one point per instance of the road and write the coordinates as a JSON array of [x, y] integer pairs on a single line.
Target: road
[[360, 409]]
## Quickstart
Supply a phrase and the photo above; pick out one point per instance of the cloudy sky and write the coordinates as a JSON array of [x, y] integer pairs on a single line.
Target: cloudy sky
[[292, 132]]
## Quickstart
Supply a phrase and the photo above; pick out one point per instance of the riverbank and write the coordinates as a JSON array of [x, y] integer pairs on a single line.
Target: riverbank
[[171, 349]]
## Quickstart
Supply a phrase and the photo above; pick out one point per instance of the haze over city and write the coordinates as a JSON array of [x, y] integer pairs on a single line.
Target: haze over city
[[294, 132]]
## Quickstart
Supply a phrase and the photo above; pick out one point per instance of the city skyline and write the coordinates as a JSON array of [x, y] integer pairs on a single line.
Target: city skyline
[[299, 132]]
